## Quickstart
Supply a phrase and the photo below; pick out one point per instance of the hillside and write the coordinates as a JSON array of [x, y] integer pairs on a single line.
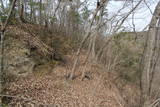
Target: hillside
[[37, 81], [79, 53]]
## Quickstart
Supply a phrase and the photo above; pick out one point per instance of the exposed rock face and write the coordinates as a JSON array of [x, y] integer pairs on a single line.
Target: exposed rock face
[[17, 59], [25, 50]]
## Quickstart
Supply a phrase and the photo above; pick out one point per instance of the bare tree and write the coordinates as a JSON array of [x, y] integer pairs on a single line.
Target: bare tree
[[40, 12], [2, 5], [117, 27], [88, 33], [2, 32], [151, 62]]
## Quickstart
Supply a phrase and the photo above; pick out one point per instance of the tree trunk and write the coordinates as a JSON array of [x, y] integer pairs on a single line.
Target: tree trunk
[[40, 12], [151, 60], [1, 62], [34, 15], [2, 34], [31, 11], [13, 11], [2, 5], [87, 35], [21, 14]]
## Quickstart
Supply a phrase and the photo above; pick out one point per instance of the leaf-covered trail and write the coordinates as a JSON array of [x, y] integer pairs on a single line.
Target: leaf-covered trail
[[53, 90]]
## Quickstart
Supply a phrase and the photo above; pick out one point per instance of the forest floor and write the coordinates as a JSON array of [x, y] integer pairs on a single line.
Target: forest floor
[[52, 89]]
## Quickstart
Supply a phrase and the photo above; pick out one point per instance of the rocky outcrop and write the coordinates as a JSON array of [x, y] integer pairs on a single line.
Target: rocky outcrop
[[17, 59], [24, 50]]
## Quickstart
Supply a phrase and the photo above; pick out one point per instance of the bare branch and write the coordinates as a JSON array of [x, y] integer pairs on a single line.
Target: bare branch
[[9, 15]]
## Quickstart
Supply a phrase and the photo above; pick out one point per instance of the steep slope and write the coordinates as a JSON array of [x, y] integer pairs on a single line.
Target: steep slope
[[25, 49]]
